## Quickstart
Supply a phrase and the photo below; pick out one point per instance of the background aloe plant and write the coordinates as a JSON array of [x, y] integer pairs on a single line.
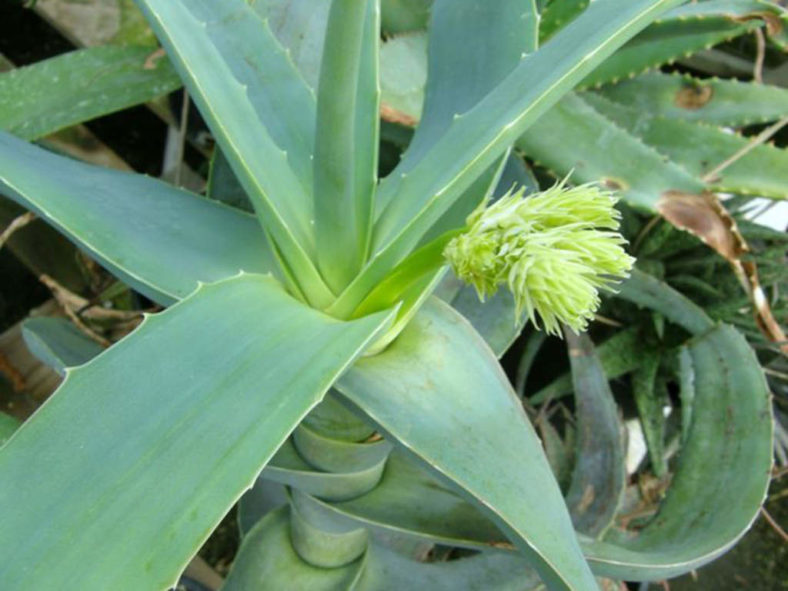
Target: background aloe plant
[[237, 362]]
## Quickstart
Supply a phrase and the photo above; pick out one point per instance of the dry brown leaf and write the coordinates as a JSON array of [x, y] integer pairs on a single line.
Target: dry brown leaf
[[704, 216]]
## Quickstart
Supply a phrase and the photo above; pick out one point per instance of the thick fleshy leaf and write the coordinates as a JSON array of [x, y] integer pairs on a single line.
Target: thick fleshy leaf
[[438, 383], [160, 240], [706, 509], [557, 14], [771, 12], [206, 418], [267, 560], [402, 16], [719, 102], [410, 502], [58, 343], [289, 468], [260, 110], [573, 138], [647, 390], [644, 290], [620, 354], [485, 131], [672, 37], [403, 76], [300, 26], [599, 477], [346, 139], [90, 83], [699, 148], [460, 74]]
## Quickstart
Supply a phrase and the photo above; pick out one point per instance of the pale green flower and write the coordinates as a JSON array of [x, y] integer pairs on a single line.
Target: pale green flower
[[554, 251]]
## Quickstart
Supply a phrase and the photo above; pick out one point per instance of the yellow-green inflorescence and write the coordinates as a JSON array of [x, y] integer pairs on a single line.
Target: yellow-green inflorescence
[[554, 251]]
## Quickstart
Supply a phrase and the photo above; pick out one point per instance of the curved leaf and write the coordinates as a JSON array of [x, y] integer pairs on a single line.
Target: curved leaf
[[438, 383], [575, 138], [267, 560], [707, 509], [644, 290], [160, 240], [206, 418], [57, 343], [483, 133], [666, 40], [289, 468], [599, 476], [90, 83], [260, 110], [719, 102]]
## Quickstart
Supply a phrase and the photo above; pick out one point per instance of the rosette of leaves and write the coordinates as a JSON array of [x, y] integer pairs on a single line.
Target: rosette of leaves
[[303, 341]]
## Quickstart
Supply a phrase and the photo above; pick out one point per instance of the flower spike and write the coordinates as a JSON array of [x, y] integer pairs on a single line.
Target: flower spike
[[554, 251]]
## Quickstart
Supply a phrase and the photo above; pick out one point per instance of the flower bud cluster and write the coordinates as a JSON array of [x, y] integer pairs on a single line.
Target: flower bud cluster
[[554, 251]]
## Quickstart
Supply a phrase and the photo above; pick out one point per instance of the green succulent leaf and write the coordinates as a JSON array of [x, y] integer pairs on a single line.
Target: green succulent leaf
[[433, 182], [8, 425], [731, 420], [58, 343], [90, 83], [223, 185], [400, 16], [261, 112], [650, 397], [158, 239], [674, 36], [713, 101], [207, 417], [699, 148], [646, 291], [403, 390], [346, 139], [574, 138], [619, 355], [289, 468], [267, 560], [599, 477]]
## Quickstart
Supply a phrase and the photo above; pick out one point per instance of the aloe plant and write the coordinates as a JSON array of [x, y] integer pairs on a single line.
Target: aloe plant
[[304, 339]]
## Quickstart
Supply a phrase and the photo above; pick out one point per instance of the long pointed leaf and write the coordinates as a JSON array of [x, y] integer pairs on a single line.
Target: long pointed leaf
[[90, 83], [439, 383], [156, 440], [719, 102], [158, 239], [599, 477], [479, 136], [706, 508], [346, 140], [260, 110]]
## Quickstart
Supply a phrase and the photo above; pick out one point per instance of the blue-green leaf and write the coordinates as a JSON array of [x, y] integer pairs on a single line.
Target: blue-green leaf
[[58, 343], [346, 140], [599, 477], [158, 239], [707, 509], [90, 83], [480, 135], [438, 383], [260, 110], [199, 397]]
